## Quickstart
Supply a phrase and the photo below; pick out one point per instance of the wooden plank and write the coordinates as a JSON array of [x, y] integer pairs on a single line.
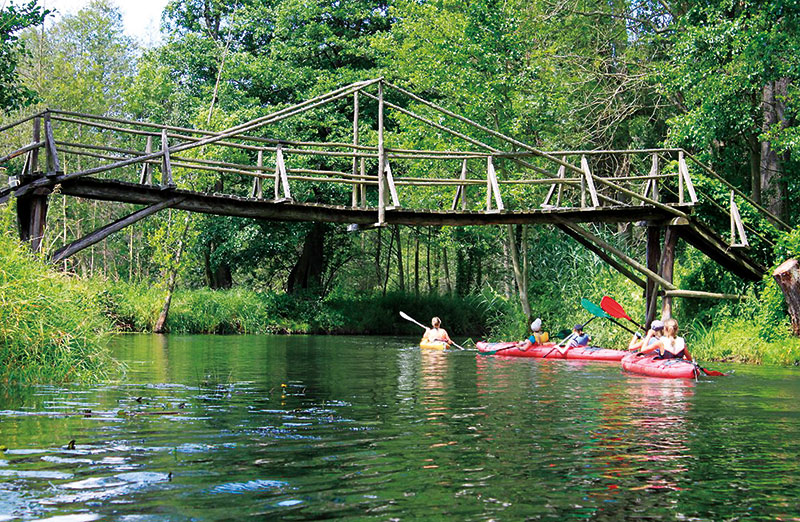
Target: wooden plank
[[125, 192], [461, 191], [491, 175], [391, 185], [281, 177], [587, 175], [21, 151], [166, 166], [684, 172], [632, 263], [103, 232], [562, 170], [703, 295], [258, 190], [363, 186], [53, 166], [146, 177], [737, 225], [37, 137], [716, 248]]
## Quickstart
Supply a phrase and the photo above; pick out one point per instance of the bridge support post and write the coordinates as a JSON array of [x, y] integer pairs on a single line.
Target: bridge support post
[[653, 259], [32, 217], [667, 267], [32, 208]]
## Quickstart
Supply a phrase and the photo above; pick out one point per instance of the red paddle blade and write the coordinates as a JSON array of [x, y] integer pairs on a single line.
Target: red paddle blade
[[714, 373], [613, 308]]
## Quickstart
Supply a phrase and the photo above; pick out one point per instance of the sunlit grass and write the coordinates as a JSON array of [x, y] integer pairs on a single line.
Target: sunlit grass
[[52, 327]]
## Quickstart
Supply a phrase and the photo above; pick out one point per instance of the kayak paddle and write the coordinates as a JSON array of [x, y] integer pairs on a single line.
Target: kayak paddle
[[409, 318], [599, 312], [615, 310]]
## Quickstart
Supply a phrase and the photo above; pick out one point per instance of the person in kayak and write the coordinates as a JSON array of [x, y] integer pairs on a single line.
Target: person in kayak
[[437, 333], [653, 334], [538, 337], [579, 338], [669, 346]]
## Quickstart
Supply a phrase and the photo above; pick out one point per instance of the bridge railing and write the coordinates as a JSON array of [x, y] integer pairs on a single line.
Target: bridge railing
[[368, 172]]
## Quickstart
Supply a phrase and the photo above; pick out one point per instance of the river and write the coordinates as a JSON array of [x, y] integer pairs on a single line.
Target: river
[[310, 427]]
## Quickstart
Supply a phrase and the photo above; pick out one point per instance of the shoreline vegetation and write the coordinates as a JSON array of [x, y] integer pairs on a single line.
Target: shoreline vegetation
[[56, 328]]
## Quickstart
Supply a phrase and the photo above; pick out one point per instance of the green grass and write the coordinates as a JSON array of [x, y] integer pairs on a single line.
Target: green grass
[[52, 327]]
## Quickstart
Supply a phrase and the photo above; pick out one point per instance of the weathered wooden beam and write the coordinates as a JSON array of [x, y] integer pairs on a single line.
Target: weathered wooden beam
[[632, 263], [53, 166], [166, 165], [103, 232], [461, 191], [21, 151], [146, 177], [258, 191], [737, 227], [588, 177], [619, 267], [668, 267], [391, 185], [32, 216], [492, 188], [237, 130], [769, 215], [125, 192], [703, 295], [381, 160], [356, 188], [653, 263]]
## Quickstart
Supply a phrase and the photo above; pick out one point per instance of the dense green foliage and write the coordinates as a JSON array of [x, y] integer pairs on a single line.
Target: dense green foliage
[[717, 78], [14, 18], [53, 327]]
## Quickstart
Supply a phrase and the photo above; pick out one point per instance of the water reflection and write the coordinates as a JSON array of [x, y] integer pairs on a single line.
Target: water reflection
[[307, 428]]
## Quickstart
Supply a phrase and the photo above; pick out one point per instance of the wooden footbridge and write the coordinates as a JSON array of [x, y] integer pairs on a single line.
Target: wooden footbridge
[[491, 179]]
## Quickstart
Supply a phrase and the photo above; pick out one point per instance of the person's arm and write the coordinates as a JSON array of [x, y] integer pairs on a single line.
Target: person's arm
[[445, 337], [636, 342], [656, 345], [686, 353]]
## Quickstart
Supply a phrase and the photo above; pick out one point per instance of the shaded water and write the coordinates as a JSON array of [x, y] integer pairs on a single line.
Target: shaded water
[[207, 428]]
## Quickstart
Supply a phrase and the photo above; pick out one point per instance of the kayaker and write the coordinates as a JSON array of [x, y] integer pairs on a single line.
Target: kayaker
[[670, 346], [653, 334], [538, 337], [437, 333], [580, 338]]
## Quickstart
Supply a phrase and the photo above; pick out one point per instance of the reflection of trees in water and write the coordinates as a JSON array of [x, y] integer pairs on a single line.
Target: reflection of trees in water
[[641, 443]]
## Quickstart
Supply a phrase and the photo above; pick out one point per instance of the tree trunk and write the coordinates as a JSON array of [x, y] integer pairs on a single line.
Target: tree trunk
[[773, 187], [428, 259], [518, 275], [448, 286], [307, 271], [788, 278], [216, 277], [388, 262], [401, 280], [378, 243], [755, 168], [416, 261], [161, 323]]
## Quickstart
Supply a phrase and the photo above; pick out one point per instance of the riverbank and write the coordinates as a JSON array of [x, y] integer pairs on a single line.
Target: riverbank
[[135, 308], [53, 328]]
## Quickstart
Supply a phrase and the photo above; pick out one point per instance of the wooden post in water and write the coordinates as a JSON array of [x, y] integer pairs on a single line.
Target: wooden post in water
[[653, 259], [667, 268]]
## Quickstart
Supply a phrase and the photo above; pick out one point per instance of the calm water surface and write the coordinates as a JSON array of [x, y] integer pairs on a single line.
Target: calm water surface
[[297, 428]]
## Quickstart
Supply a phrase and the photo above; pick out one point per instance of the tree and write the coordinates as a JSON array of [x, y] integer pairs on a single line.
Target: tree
[[13, 19]]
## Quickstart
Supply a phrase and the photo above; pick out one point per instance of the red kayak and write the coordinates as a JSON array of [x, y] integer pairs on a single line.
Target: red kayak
[[589, 353], [649, 365]]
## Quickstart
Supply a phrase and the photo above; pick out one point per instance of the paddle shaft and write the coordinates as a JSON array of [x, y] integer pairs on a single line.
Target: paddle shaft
[[571, 336]]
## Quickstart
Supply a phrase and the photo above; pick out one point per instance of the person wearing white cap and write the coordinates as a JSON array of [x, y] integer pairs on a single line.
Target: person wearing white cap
[[538, 337], [653, 334]]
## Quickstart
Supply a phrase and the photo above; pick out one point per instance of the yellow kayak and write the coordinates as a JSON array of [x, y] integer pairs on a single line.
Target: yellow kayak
[[432, 345]]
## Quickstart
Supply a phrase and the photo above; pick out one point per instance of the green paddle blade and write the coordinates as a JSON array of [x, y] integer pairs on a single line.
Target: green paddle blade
[[593, 308], [562, 333]]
